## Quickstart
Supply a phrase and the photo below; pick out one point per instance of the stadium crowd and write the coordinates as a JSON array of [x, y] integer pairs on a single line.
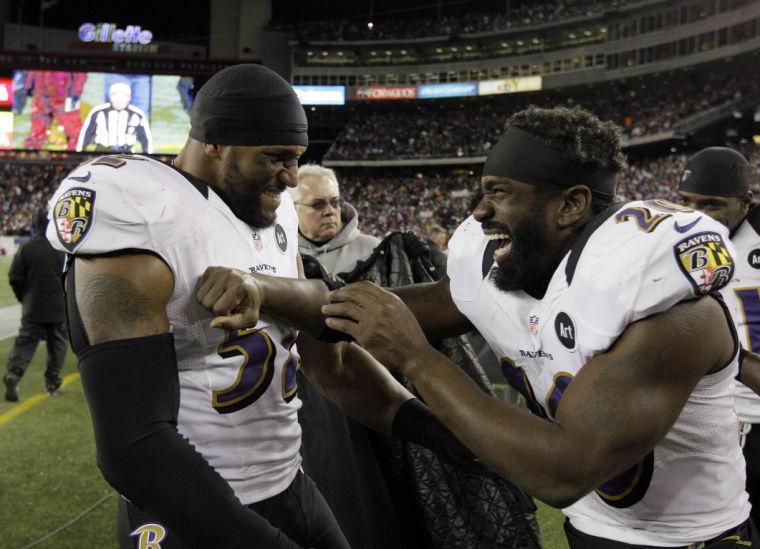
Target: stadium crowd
[[403, 25], [463, 129], [420, 200]]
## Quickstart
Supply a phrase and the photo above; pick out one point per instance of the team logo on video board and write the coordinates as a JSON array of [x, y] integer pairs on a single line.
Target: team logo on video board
[[72, 215], [705, 261]]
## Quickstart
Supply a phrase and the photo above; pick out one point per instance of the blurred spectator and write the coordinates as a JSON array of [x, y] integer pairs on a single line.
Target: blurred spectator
[[328, 227], [35, 277], [440, 238]]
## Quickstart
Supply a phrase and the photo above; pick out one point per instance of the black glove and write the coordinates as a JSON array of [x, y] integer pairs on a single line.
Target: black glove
[[414, 245], [312, 268]]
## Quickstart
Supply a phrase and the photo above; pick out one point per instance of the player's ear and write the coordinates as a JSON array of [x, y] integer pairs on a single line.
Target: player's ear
[[211, 149], [576, 202], [746, 201]]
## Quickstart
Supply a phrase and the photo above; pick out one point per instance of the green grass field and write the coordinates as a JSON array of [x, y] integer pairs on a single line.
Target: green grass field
[[49, 475]]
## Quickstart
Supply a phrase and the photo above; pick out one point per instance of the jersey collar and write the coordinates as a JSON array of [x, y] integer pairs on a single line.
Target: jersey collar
[[578, 245], [200, 185]]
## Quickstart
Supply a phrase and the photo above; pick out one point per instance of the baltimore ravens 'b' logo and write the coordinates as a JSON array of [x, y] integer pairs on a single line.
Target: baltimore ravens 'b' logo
[[149, 536], [72, 215], [705, 261]]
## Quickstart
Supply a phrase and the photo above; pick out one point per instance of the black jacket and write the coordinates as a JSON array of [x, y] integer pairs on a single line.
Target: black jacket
[[35, 277], [437, 504]]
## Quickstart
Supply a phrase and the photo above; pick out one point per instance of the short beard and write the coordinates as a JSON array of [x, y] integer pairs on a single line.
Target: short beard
[[244, 197], [525, 268]]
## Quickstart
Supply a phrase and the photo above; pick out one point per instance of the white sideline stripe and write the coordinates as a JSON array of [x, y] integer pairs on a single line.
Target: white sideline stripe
[[29, 403], [10, 320]]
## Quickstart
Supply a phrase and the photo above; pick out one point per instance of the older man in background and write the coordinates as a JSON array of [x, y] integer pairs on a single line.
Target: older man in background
[[328, 227], [338, 452]]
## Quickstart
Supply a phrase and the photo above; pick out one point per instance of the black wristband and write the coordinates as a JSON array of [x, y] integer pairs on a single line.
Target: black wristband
[[417, 423]]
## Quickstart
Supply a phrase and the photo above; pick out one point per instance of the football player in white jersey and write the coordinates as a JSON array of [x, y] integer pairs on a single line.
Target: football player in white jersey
[[605, 319], [716, 181], [196, 427]]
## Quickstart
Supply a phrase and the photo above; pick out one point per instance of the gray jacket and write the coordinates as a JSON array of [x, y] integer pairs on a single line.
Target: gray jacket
[[340, 253]]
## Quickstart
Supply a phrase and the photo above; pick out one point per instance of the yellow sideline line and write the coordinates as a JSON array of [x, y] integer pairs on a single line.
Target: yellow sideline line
[[33, 401]]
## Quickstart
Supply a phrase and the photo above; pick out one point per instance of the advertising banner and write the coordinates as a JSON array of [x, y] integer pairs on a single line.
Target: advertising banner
[[321, 95], [385, 93], [509, 85], [452, 89]]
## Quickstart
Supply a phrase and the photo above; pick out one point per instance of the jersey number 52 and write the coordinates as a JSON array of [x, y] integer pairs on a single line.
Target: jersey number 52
[[257, 371]]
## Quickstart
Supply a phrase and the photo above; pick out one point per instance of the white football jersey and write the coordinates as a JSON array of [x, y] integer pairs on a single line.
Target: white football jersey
[[641, 259], [238, 402], [743, 297]]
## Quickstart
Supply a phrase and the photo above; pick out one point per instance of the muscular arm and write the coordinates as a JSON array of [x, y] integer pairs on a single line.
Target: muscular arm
[[348, 376], [432, 306], [618, 407], [123, 297], [238, 297]]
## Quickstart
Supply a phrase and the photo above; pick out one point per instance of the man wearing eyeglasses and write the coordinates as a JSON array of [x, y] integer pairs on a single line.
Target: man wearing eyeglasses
[[328, 227], [337, 452]]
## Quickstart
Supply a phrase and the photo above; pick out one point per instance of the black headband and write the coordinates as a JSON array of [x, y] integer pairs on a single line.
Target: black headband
[[716, 171], [523, 157], [246, 120]]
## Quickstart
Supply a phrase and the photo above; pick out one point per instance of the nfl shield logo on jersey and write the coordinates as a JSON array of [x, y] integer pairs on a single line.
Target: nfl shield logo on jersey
[[533, 325], [705, 261], [72, 215], [258, 242]]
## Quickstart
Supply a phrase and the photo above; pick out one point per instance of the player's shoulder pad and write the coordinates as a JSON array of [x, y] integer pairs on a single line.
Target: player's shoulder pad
[[469, 260], [111, 203], [644, 257]]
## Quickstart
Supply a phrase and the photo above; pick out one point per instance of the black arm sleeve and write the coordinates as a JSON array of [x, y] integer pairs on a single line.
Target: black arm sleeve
[[132, 388]]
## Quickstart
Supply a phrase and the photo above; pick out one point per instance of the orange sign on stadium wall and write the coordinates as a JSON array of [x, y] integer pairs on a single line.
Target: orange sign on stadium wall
[[385, 93]]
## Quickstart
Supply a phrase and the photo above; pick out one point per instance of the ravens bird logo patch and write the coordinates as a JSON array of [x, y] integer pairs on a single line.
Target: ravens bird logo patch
[[705, 261], [72, 215]]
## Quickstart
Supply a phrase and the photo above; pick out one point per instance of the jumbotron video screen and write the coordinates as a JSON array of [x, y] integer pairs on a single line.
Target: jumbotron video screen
[[94, 111]]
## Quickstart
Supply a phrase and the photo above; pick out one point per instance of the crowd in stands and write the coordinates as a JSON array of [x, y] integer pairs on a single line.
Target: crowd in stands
[[420, 201], [457, 129], [386, 200], [416, 24], [24, 188]]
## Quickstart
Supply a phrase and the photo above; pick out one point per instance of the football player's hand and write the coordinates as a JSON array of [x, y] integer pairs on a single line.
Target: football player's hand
[[233, 295], [379, 321]]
